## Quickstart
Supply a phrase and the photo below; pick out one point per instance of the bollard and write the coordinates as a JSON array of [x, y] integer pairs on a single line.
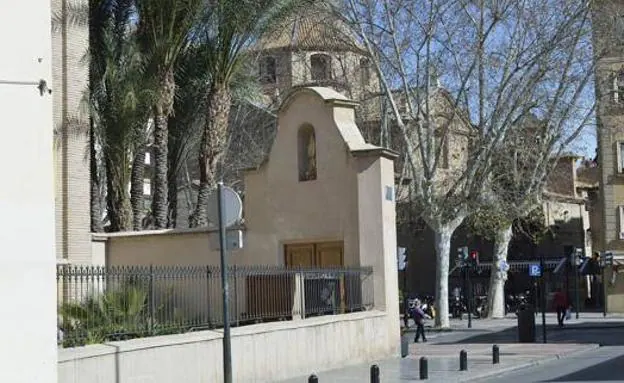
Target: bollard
[[463, 360], [313, 379], [495, 354], [424, 368], [374, 374]]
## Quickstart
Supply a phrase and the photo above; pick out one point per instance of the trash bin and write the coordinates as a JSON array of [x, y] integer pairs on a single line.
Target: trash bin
[[526, 324]]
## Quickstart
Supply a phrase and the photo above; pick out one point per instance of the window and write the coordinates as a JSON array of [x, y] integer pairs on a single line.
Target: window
[[364, 72], [320, 67], [307, 153], [147, 187], [621, 221], [620, 156], [268, 70], [618, 87]]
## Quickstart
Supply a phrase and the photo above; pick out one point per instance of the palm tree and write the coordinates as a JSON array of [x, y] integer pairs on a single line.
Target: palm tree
[[230, 28], [116, 312], [118, 94], [164, 30]]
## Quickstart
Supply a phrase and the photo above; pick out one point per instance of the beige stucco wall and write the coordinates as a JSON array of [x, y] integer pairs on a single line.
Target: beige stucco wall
[[297, 348], [27, 262], [71, 157], [280, 210]]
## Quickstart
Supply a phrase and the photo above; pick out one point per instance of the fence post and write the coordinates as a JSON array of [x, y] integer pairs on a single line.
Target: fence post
[[151, 298], [463, 360], [208, 306], [495, 354], [374, 373], [235, 300], [424, 368]]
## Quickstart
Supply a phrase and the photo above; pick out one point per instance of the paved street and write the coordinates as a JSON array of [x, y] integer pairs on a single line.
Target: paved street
[[601, 365], [571, 354]]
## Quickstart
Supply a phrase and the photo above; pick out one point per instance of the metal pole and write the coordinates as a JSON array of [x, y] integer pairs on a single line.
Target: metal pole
[[543, 296], [604, 292], [227, 346], [469, 293], [576, 288]]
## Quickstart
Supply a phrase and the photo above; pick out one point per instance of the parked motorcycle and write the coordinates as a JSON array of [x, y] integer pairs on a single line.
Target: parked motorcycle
[[457, 307]]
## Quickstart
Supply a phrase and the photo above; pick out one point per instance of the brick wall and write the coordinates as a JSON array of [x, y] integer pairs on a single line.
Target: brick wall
[[70, 75]]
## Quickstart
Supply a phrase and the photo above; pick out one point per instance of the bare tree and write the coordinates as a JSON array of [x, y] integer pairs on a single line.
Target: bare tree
[[494, 58]]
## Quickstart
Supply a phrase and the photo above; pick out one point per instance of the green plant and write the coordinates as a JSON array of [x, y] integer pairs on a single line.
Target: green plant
[[114, 315]]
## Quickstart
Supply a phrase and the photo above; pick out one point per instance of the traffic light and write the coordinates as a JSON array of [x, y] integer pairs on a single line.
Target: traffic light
[[462, 256], [474, 259], [401, 258]]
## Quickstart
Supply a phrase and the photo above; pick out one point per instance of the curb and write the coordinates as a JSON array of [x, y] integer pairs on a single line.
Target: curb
[[534, 363]]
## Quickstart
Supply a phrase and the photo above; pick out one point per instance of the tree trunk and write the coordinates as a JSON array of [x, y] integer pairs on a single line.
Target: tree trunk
[[172, 199], [443, 253], [496, 294], [161, 158], [119, 208], [136, 188], [212, 148], [96, 206]]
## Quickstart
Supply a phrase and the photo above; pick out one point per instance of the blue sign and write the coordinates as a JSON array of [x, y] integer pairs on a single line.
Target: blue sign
[[535, 270]]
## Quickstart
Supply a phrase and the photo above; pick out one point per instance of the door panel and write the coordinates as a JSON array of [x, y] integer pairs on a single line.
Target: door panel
[[329, 254], [300, 255]]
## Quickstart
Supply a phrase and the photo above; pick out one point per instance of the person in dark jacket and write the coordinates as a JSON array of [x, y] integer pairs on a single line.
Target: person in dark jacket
[[419, 316], [560, 303]]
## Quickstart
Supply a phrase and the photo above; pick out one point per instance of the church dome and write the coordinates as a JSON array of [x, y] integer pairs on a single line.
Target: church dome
[[311, 29]]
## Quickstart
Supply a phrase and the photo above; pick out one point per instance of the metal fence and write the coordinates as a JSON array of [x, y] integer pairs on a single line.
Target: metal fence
[[98, 304]]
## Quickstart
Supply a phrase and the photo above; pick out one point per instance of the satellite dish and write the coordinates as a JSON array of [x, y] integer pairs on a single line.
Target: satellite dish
[[232, 203]]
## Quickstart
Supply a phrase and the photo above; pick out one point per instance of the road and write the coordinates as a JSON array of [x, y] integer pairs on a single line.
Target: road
[[605, 364]]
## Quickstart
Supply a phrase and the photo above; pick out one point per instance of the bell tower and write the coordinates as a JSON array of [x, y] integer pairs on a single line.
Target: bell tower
[[608, 45]]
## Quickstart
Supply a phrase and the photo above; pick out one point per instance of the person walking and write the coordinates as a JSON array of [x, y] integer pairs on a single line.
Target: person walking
[[419, 316], [560, 303]]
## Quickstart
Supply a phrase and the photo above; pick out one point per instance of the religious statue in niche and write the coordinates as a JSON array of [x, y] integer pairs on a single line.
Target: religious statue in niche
[[307, 154]]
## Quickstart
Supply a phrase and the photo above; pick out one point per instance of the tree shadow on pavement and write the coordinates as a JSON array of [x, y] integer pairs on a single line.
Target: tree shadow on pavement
[[605, 334]]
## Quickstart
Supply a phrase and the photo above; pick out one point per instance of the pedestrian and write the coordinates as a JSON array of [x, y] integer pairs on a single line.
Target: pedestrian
[[560, 303], [419, 316]]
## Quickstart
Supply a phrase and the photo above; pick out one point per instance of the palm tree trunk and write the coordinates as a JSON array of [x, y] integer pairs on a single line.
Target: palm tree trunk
[[161, 158], [136, 188], [119, 208], [96, 207], [212, 148], [173, 204]]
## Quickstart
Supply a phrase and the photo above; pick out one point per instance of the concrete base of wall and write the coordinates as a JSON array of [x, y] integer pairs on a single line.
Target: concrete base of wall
[[262, 352]]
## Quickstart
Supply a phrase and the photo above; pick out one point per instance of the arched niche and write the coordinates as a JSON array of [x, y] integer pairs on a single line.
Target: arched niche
[[306, 149]]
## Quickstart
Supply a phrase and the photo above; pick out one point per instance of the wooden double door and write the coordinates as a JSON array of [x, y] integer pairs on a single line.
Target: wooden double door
[[321, 254]]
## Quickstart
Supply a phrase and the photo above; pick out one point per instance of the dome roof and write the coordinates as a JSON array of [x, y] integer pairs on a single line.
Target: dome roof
[[310, 29]]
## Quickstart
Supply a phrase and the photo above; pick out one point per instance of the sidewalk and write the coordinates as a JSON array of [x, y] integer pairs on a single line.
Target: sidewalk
[[442, 350], [443, 363], [586, 320]]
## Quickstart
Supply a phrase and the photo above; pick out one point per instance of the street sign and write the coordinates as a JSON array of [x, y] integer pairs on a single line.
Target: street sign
[[503, 266], [535, 270]]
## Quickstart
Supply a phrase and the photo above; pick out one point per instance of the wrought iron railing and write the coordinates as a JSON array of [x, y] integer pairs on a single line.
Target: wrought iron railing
[[98, 304]]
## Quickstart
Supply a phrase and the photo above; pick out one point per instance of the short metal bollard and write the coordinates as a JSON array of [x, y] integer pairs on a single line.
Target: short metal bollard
[[424, 368], [463, 360], [495, 354], [313, 379], [374, 374]]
